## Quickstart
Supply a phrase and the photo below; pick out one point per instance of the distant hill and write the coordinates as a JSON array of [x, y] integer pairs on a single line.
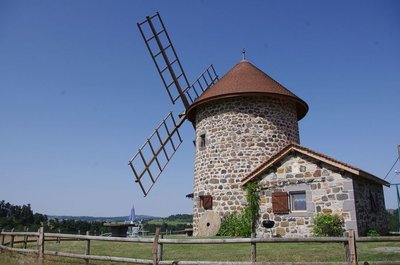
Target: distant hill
[[100, 219]]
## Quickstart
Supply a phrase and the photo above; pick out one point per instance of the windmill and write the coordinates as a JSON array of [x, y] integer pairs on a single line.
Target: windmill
[[153, 156], [241, 120]]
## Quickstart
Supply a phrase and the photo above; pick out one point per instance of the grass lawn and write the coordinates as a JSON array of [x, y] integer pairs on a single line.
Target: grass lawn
[[272, 252]]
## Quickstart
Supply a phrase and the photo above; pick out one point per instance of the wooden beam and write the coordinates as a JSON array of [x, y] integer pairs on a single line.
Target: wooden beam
[[155, 246], [40, 245]]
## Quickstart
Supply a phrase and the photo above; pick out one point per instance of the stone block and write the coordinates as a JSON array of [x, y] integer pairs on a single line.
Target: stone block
[[347, 185], [342, 196], [326, 210], [310, 207], [284, 224], [348, 205], [330, 178], [351, 225], [317, 173], [300, 221], [263, 200], [214, 181], [265, 216], [280, 231], [280, 170]]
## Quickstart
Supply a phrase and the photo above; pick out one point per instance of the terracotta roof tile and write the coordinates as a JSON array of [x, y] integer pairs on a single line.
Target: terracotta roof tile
[[245, 78]]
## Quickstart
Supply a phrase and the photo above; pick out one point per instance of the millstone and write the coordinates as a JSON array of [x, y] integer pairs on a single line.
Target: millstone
[[209, 224]]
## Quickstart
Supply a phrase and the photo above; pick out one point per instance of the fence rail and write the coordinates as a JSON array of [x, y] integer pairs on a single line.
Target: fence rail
[[348, 241]]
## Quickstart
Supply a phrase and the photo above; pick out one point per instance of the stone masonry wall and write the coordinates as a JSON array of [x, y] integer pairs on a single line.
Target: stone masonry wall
[[240, 133], [370, 205], [327, 190]]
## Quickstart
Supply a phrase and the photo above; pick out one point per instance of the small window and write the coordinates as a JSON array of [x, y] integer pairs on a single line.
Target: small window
[[206, 202], [202, 141], [298, 201]]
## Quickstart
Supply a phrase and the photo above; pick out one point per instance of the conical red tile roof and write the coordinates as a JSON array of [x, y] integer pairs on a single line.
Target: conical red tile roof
[[246, 79]]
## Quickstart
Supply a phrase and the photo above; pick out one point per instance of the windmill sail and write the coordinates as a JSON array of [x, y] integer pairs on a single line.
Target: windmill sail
[[151, 159], [165, 58], [208, 78]]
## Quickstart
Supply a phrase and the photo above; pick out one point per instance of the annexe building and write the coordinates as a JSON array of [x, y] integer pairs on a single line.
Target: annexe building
[[297, 183]]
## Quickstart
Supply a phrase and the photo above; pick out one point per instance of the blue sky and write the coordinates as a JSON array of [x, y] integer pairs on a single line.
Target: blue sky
[[79, 93]]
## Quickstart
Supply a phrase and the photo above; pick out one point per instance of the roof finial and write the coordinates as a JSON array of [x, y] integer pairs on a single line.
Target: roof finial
[[244, 54]]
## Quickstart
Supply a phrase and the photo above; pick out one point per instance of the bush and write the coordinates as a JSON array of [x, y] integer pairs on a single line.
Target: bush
[[372, 233], [242, 224], [236, 225], [326, 224]]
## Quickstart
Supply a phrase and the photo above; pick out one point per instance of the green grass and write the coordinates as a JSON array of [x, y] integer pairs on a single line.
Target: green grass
[[28, 259], [272, 252]]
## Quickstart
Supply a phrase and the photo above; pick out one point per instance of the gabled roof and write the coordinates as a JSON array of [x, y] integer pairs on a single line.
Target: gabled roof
[[246, 79], [310, 153]]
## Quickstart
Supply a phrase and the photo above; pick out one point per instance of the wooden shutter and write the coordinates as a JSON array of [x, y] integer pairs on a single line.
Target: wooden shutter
[[207, 202], [280, 202]]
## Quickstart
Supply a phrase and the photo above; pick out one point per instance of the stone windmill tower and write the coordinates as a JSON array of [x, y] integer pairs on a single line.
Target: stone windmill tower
[[240, 122]]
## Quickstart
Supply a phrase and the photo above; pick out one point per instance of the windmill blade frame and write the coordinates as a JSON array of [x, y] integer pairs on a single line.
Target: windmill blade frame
[[154, 155], [159, 43], [152, 158], [207, 79]]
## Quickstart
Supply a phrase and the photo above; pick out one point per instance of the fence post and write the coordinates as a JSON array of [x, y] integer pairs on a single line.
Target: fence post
[[40, 245], [350, 248], [155, 246], [58, 238], [26, 237], [87, 252], [2, 239], [12, 239], [160, 249], [253, 249]]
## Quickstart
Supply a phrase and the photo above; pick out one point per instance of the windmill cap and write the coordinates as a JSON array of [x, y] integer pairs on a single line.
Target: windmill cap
[[245, 79]]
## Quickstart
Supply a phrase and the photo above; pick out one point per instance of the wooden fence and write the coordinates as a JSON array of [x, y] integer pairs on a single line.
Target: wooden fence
[[348, 240]]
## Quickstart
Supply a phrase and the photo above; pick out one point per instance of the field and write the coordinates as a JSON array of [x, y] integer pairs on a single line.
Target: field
[[272, 252]]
